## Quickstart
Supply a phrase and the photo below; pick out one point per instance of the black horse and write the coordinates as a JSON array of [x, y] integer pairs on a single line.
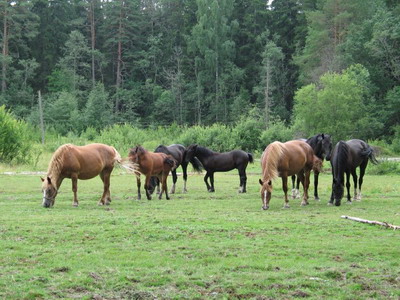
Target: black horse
[[322, 147], [221, 162], [345, 158], [178, 152]]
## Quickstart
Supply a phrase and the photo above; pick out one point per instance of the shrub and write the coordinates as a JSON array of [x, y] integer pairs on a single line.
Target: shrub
[[277, 131], [14, 138], [247, 134]]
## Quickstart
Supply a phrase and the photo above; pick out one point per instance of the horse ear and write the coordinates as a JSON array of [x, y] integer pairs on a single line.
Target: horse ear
[[42, 179], [260, 181], [48, 180], [323, 136]]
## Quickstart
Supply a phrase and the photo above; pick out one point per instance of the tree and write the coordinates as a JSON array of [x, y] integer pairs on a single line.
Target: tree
[[338, 105], [97, 113]]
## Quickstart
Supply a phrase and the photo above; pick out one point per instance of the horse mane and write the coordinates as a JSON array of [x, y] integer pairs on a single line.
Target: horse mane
[[316, 144], [270, 160], [342, 156], [204, 151], [56, 162], [137, 149]]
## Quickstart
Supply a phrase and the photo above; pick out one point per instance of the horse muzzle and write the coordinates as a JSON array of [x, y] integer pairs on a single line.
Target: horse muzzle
[[337, 202]]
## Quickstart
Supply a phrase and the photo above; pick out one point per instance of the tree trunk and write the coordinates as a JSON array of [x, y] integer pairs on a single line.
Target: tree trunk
[[267, 92], [5, 50], [119, 57], [93, 39]]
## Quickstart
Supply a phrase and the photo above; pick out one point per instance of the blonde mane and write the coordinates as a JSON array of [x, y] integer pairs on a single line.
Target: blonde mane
[[56, 161], [270, 160]]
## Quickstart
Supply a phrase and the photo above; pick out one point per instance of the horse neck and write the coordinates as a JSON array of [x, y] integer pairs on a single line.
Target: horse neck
[[341, 161], [316, 146], [56, 165]]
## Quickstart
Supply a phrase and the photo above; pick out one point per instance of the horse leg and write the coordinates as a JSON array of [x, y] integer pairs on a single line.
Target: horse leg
[[331, 199], [285, 189], [105, 177], [146, 187], [206, 181], [243, 180], [138, 187], [293, 187], [184, 169], [74, 179], [306, 185], [348, 187], [363, 166], [316, 175], [212, 182], [354, 175], [174, 179], [164, 187]]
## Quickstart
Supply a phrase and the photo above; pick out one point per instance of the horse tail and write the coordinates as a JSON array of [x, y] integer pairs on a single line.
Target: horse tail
[[369, 152], [117, 156], [270, 160], [251, 159], [197, 166]]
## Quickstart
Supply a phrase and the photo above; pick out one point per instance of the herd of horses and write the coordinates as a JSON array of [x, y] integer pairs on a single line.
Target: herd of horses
[[295, 159]]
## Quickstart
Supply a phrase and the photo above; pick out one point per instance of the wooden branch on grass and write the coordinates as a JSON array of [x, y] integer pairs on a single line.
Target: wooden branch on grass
[[385, 224]]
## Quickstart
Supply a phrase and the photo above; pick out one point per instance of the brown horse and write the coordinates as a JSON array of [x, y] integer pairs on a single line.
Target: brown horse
[[283, 160], [151, 164], [79, 162]]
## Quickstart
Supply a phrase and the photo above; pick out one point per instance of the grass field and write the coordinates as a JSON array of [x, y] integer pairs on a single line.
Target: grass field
[[197, 245]]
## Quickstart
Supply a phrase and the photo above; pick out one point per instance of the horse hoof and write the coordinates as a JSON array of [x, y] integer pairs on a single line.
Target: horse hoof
[[75, 204], [349, 202], [264, 207], [317, 199], [304, 203], [168, 198], [286, 206]]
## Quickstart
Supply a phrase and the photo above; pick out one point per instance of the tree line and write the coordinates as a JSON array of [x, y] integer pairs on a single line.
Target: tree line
[[316, 65]]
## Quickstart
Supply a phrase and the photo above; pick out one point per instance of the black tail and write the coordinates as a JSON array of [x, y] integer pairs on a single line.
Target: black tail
[[251, 159], [197, 166], [369, 152]]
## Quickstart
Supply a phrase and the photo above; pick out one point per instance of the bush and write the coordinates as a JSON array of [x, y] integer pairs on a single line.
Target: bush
[[247, 134], [14, 138], [277, 131]]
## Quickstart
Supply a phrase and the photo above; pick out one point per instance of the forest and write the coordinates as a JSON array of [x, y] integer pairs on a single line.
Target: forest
[[293, 66]]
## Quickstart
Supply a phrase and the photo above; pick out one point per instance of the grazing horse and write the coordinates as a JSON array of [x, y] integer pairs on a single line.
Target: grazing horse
[[322, 147], [79, 162], [283, 160], [151, 164], [345, 158], [178, 152], [220, 162]]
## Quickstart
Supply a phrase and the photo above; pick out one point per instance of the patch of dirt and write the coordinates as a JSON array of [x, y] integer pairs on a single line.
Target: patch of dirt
[[300, 294], [61, 270]]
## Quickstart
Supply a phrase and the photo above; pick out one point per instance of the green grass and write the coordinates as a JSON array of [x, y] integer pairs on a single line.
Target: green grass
[[197, 245]]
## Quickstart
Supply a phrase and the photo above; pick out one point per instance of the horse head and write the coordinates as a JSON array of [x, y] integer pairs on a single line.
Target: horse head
[[338, 191], [190, 152], [49, 192], [324, 140], [135, 153], [266, 191]]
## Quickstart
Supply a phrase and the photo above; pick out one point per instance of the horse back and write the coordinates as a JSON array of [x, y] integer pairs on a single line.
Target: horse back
[[298, 155], [88, 161]]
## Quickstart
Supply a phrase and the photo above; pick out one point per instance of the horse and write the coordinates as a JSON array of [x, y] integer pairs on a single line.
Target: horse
[[322, 147], [220, 162], [178, 152], [79, 162], [346, 158], [283, 160], [151, 164]]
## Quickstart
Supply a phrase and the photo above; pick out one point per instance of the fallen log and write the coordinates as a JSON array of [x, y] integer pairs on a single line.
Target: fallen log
[[384, 224]]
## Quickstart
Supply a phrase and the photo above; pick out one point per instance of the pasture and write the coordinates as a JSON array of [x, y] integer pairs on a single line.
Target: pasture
[[197, 245]]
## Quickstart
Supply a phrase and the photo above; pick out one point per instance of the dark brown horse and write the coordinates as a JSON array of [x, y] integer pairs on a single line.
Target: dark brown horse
[[79, 162], [151, 164], [283, 160]]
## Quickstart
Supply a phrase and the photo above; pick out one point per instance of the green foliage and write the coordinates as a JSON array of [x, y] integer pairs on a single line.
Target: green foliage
[[247, 134], [15, 141], [340, 106], [97, 113], [385, 167], [396, 140], [276, 131]]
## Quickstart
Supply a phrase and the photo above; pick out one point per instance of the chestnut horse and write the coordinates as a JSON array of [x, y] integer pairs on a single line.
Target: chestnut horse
[[79, 162], [283, 160], [151, 164]]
